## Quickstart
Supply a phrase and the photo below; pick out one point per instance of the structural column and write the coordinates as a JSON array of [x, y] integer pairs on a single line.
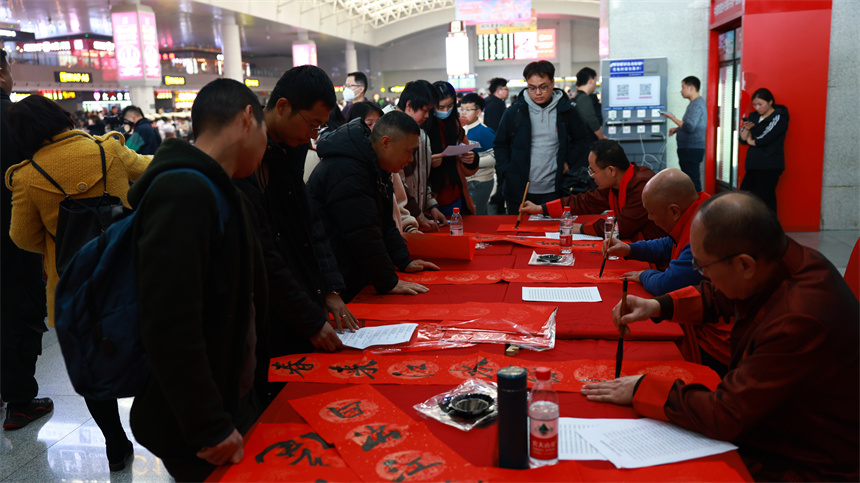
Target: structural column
[[351, 57], [144, 98], [231, 47]]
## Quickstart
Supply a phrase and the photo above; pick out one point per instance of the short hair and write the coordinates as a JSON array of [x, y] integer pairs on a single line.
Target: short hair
[[543, 68], [694, 81], [132, 109], [303, 87], [362, 109], [496, 83], [475, 99], [741, 225], [4, 64], [418, 94], [218, 104], [609, 153], [584, 75], [763, 94], [444, 90], [395, 125], [359, 77], [34, 120]]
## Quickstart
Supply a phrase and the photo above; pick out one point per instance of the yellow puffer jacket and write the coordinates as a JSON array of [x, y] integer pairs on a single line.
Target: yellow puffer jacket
[[72, 159]]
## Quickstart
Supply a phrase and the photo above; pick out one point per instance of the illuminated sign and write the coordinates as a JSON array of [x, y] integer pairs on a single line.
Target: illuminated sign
[[149, 43], [397, 89], [252, 82], [539, 44], [8, 33], [507, 28], [103, 45], [496, 47], [17, 96], [57, 95], [457, 54], [46, 46], [127, 39], [73, 77], [456, 27], [483, 11], [172, 80], [111, 96], [304, 54], [164, 94]]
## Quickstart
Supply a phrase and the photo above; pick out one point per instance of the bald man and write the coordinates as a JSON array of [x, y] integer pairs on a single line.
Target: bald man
[[791, 398], [671, 200]]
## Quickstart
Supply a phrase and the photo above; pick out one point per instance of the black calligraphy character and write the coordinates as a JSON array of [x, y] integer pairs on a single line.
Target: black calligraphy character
[[295, 367], [357, 370], [377, 436], [312, 460], [348, 411], [414, 371], [416, 462], [287, 450], [314, 436], [482, 368]]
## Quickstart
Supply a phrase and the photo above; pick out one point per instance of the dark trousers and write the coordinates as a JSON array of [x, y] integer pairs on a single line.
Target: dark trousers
[[513, 206], [762, 183], [20, 346], [106, 416], [690, 160]]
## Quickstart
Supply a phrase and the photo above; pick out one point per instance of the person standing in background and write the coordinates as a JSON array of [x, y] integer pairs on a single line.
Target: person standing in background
[[354, 90], [691, 130], [495, 103], [144, 138], [764, 131], [481, 183]]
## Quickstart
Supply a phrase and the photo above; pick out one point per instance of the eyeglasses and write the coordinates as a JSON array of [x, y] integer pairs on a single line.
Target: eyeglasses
[[701, 268], [351, 86], [592, 172], [540, 89], [317, 129], [466, 109]]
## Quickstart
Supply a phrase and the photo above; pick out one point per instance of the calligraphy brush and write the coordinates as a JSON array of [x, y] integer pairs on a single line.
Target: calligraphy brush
[[520, 216], [619, 354], [606, 252]]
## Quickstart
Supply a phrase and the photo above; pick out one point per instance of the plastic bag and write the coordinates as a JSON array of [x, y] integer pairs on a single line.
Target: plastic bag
[[471, 403], [552, 259]]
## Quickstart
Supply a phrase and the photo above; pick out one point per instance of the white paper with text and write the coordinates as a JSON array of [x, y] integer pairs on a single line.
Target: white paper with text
[[384, 335], [561, 294]]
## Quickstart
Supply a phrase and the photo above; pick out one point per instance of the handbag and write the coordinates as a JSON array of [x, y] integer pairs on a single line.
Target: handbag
[[81, 219]]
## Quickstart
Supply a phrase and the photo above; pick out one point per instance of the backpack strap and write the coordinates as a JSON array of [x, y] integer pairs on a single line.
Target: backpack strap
[[57, 185]]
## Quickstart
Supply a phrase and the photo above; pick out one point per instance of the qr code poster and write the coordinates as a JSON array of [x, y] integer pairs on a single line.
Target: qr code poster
[[632, 92]]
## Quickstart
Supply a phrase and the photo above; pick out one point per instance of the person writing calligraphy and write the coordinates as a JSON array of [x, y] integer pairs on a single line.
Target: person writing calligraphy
[[619, 187], [790, 400]]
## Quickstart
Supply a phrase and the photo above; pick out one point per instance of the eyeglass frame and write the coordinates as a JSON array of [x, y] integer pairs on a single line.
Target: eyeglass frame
[[467, 109], [352, 85], [592, 172], [317, 129], [701, 268], [541, 89]]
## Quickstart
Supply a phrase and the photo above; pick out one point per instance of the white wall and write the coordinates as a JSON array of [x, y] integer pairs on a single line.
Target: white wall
[[840, 191], [675, 30]]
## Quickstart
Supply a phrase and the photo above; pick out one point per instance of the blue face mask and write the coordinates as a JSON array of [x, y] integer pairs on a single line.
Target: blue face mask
[[442, 114]]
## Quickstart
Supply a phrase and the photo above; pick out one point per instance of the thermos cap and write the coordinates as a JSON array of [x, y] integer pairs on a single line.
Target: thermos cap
[[511, 378]]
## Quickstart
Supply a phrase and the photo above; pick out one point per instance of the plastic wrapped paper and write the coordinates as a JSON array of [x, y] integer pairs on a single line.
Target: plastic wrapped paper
[[471, 403]]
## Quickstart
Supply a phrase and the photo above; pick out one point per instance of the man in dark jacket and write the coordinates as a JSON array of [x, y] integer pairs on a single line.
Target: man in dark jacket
[[144, 138], [202, 288], [537, 140], [304, 284], [495, 102], [23, 306], [352, 189]]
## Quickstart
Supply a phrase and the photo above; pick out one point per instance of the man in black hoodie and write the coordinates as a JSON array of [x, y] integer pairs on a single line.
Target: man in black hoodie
[[144, 138], [352, 189], [202, 289]]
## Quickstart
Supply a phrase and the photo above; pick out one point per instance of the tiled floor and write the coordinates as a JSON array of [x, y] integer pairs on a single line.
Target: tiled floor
[[68, 446]]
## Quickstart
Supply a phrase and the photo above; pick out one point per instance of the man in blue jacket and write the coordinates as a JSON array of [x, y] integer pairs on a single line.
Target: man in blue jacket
[[672, 201], [537, 140]]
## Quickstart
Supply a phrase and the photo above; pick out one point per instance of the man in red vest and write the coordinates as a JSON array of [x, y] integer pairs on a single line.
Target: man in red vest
[[672, 201], [619, 188], [790, 400]]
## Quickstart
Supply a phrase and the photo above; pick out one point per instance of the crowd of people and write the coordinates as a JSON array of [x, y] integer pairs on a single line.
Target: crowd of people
[[220, 294]]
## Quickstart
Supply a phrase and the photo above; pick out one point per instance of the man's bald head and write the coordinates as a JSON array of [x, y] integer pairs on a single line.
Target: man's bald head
[[670, 186], [739, 222]]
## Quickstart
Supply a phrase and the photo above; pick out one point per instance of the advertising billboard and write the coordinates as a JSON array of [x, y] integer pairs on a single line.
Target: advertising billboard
[[475, 12], [126, 38]]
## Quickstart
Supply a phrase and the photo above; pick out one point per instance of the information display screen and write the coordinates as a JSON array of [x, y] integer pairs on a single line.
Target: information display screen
[[641, 91], [538, 44]]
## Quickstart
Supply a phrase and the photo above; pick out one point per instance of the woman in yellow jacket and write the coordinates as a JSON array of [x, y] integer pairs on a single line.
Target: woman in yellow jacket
[[45, 133]]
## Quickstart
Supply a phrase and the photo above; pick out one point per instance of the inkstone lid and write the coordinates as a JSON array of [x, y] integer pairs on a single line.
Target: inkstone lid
[[511, 378]]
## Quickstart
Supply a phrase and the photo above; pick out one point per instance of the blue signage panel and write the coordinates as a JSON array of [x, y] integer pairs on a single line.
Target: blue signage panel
[[625, 68]]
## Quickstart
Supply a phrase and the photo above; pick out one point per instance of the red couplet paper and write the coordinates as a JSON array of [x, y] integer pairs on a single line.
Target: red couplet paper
[[412, 369], [288, 452], [552, 226], [522, 314], [422, 245], [523, 275]]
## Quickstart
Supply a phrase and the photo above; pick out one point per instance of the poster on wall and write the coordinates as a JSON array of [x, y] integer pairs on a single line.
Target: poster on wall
[[475, 12], [127, 40]]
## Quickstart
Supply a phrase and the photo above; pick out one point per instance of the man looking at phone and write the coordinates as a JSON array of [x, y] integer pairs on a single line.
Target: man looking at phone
[[691, 130]]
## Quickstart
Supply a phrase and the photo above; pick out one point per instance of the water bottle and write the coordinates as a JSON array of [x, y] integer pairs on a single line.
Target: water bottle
[[565, 238], [456, 223], [543, 421], [610, 224]]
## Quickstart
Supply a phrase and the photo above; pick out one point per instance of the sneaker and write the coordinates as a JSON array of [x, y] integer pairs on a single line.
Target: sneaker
[[117, 463], [17, 417]]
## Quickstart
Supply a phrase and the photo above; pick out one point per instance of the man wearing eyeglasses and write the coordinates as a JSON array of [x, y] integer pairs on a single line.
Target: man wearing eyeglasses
[[480, 183], [537, 140], [672, 201], [354, 90], [790, 400], [304, 282]]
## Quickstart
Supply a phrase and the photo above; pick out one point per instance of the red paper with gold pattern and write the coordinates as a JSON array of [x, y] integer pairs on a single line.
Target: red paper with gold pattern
[[422, 245], [530, 315], [521, 275], [288, 452], [412, 369], [548, 227]]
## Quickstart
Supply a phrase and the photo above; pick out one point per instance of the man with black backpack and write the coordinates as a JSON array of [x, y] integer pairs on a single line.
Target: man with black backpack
[[202, 288]]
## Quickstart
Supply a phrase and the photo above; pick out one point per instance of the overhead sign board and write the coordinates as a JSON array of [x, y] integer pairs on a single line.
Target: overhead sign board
[[64, 77], [483, 11]]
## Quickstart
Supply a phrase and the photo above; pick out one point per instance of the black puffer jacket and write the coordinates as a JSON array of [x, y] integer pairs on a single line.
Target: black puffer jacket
[[354, 197], [769, 135]]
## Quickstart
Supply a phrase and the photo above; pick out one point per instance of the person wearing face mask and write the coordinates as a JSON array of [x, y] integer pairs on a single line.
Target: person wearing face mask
[[354, 90], [448, 175], [764, 131]]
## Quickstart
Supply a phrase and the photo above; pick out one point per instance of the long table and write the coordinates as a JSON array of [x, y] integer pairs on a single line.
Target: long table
[[584, 331]]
